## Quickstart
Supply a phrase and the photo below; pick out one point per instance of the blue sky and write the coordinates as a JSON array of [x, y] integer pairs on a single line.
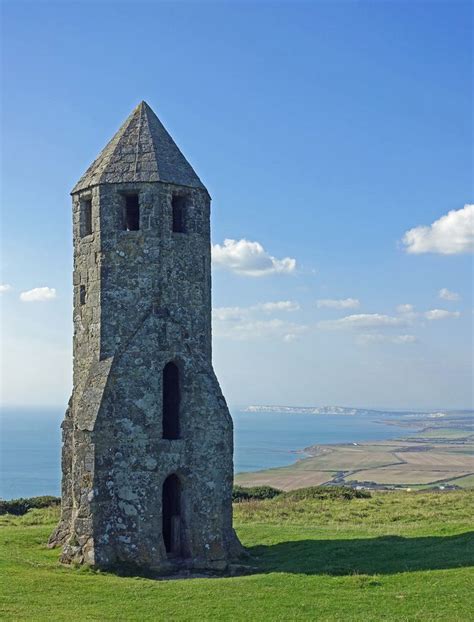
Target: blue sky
[[324, 132]]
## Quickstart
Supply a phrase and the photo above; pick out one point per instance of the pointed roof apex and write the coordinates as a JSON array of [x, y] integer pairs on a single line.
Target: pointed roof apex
[[141, 151]]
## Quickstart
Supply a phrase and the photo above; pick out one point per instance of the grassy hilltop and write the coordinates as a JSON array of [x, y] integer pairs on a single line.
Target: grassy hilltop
[[394, 556]]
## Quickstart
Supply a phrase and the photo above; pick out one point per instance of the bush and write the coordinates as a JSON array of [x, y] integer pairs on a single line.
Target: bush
[[18, 507], [326, 492], [239, 493]]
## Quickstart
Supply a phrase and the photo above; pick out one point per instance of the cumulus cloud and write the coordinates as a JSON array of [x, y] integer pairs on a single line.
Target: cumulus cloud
[[38, 294], [405, 309], [4, 287], [225, 314], [452, 234], [367, 338], [282, 305], [404, 339], [249, 329], [342, 303], [249, 259], [363, 321], [229, 314], [245, 323], [446, 294], [441, 314]]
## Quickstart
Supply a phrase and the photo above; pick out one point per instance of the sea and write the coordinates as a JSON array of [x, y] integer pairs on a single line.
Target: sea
[[30, 442]]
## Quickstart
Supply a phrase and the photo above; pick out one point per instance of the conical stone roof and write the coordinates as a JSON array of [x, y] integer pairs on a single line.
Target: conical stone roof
[[141, 151]]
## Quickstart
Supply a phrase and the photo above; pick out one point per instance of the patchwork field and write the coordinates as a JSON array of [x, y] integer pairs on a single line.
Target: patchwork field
[[406, 475], [437, 456], [286, 478]]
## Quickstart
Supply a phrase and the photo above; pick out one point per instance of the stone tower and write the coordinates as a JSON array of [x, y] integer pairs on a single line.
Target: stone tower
[[147, 437]]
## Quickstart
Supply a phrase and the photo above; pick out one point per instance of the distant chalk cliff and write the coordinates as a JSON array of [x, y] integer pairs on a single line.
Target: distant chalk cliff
[[312, 410]]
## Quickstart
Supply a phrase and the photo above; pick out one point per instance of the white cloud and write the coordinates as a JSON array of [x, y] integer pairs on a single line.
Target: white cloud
[[38, 294], [446, 294], [405, 309], [246, 323], [363, 321], [343, 303], [440, 314], [4, 287], [225, 314], [404, 339], [249, 259], [450, 235], [228, 314], [367, 338], [282, 305], [250, 329]]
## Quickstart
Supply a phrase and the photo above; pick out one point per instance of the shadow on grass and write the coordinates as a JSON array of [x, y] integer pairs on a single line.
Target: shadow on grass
[[370, 556], [383, 555]]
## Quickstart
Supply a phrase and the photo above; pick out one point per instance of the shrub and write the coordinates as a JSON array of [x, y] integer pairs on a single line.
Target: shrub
[[239, 493], [326, 492], [18, 507]]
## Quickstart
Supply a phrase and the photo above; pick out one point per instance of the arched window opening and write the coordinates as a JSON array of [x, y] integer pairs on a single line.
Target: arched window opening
[[178, 204], [171, 516], [171, 401]]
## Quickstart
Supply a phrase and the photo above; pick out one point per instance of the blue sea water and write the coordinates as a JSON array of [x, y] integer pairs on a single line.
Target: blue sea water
[[265, 440], [30, 443]]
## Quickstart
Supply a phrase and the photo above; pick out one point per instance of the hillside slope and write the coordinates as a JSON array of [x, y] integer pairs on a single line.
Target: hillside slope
[[395, 556]]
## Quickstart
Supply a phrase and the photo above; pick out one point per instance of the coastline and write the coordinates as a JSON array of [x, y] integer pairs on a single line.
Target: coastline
[[267, 442], [438, 454]]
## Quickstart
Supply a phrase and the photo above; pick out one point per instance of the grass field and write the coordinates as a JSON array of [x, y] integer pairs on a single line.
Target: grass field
[[464, 482], [396, 556], [448, 434]]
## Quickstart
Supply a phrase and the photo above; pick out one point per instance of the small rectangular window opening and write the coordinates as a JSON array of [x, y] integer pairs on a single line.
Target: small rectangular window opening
[[86, 217], [132, 212], [178, 205], [82, 295]]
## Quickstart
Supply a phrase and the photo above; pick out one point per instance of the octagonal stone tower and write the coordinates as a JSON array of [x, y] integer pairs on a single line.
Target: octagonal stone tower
[[147, 437]]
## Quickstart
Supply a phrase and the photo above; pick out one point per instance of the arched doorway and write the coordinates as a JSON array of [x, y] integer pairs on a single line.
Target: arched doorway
[[171, 516], [171, 401]]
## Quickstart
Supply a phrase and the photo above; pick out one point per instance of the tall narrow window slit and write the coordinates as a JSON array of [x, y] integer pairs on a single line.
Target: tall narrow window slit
[[171, 401]]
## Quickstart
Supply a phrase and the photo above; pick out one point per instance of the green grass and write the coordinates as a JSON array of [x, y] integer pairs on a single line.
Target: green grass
[[396, 556], [443, 433], [464, 482]]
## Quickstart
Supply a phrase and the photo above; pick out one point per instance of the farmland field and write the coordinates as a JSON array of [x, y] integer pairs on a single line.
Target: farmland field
[[434, 457]]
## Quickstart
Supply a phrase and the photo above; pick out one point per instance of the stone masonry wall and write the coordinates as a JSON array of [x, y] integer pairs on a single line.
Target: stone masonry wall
[[147, 302]]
